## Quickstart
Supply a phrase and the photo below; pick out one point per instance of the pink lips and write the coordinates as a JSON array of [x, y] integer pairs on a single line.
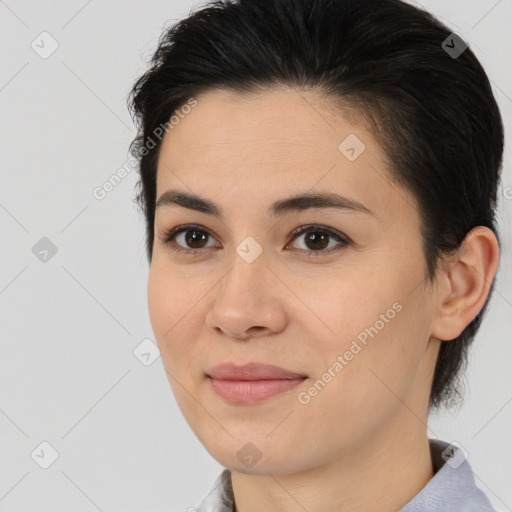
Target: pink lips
[[252, 382]]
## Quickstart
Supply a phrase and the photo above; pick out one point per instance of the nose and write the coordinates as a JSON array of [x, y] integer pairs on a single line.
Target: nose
[[249, 301]]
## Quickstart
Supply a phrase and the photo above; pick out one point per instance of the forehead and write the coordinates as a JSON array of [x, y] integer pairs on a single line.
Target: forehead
[[277, 121], [271, 145]]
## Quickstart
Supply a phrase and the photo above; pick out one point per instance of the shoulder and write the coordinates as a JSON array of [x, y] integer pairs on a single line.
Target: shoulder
[[453, 485], [220, 496]]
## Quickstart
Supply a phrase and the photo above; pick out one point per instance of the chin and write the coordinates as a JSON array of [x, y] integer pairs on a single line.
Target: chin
[[254, 458]]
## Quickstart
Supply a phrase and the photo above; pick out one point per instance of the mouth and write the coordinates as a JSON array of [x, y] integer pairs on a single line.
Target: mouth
[[252, 382]]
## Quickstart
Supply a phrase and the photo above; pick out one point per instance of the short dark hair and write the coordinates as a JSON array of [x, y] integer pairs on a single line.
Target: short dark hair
[[432, 112]]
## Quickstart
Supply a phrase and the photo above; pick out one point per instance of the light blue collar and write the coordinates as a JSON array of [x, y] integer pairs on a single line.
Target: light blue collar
[[452, 487]]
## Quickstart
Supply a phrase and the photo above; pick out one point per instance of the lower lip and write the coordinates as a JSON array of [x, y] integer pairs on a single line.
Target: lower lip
[[251, 391]]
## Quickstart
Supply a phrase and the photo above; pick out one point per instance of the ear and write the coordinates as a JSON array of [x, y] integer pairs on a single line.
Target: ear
[[464, 283]]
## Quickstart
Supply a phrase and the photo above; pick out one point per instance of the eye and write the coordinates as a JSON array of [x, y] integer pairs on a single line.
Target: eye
[[194, 238], [318, 239]]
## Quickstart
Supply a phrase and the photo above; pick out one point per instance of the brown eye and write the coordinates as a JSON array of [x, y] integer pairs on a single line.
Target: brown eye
[[192, 241], [195, 238], [316, 239]]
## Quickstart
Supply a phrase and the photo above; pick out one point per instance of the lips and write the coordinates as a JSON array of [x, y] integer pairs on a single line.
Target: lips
[[251, 383], [252, 371]]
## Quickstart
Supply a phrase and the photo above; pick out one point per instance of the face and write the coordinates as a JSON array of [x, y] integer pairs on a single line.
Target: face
[[344, 303]]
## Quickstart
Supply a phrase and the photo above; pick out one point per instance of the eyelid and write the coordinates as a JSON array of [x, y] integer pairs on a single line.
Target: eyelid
[[169, 236], [320, 227], [183, 228]]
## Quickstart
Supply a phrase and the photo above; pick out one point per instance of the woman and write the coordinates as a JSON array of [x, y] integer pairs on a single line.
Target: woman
[[319, 180]]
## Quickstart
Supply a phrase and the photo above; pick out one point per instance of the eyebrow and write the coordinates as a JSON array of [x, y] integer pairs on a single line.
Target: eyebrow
[[296, 203]]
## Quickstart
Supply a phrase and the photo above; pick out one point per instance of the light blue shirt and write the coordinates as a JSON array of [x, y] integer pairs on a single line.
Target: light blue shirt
[[451, 489]]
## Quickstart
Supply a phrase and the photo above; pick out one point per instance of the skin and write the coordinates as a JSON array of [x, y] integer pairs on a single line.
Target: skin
[[363, 438]]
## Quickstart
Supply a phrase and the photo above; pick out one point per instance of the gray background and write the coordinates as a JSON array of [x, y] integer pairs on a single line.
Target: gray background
[[69, 326]]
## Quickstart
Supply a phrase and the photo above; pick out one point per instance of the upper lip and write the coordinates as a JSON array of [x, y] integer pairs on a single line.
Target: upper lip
[[251, 371]]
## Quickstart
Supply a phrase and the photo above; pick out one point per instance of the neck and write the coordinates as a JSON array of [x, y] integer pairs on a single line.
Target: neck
[[383, 472]]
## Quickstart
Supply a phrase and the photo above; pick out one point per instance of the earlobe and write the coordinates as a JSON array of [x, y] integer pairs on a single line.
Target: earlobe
[[467, 281]]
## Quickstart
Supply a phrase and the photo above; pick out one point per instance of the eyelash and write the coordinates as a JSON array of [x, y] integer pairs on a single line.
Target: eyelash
[[170, 235]]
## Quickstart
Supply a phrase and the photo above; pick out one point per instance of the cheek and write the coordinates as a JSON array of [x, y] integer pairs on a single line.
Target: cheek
[[343, 309], [168, 306], [175, 303], [158, 299], [374, 344]]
